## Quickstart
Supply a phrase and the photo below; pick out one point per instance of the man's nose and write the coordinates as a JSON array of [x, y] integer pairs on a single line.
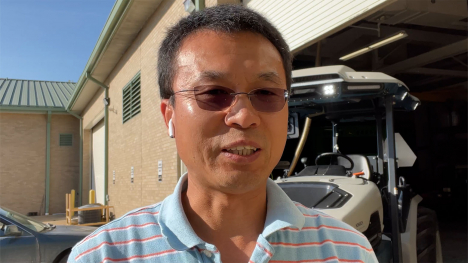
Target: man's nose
[[242, 114]]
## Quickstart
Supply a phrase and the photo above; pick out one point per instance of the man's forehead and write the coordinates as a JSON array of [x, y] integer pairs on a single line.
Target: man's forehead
[[213, 75], [210, 55]]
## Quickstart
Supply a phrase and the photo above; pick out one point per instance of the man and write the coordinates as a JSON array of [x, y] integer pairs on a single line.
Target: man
[[224, 76]]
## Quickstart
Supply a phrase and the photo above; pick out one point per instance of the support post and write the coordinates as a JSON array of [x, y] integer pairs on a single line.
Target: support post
[[80, 187], [335, 137], [106, 149], [301, 144], [47, 181], [106, 133], [392, 180], [318, 58], [199, 5], [380, 141]]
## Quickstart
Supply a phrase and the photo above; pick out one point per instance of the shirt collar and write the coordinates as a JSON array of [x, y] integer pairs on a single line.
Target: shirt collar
[[175, 227], [281, 211]]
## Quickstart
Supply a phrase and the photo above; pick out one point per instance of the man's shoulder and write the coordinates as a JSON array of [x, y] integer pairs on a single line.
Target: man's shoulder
[[324, 238], [141, 223]]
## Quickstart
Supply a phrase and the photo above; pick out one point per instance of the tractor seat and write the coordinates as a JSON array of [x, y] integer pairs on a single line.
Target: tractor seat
[[361, 164]]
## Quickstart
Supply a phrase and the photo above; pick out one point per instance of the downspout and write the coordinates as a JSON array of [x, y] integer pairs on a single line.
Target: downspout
[[106, 133], [199, 5], [80, 188], [47, 182]]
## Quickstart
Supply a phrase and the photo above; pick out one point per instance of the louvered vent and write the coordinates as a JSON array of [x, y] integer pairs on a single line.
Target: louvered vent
[[131, 99], [66, 139]]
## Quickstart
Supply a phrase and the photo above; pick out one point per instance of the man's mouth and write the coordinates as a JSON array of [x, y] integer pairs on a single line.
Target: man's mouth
[[242, 150]]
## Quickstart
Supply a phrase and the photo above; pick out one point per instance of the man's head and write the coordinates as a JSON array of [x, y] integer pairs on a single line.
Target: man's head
[[226, 49]]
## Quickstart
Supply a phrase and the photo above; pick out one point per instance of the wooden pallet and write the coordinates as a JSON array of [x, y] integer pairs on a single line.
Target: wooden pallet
[[70, 211]]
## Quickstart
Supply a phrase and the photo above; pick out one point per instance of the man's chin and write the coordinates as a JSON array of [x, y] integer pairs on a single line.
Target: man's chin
[[241, 182]]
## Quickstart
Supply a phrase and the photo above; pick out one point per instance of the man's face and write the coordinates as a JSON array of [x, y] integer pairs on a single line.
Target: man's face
[[243, 62]]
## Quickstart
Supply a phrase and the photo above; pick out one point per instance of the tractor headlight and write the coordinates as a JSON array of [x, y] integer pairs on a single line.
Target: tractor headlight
[[329, 90], [404, 95], [401, 95]]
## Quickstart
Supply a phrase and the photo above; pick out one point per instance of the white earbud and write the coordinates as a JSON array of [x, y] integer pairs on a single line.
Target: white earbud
[[171, 129]]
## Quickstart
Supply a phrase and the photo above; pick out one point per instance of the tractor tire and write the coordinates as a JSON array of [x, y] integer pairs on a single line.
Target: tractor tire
[[426, 240]]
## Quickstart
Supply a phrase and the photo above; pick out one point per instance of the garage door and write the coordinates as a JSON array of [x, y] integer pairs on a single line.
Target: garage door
[[97, 168], [305, 22]]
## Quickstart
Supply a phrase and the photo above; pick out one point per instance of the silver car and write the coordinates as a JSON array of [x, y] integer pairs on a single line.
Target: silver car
[[23, 239]]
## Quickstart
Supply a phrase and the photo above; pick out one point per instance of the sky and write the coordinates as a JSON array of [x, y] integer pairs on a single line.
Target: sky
[[49, 39]]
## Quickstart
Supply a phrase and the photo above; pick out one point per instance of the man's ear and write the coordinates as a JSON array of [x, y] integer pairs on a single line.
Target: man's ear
[[167, 111]]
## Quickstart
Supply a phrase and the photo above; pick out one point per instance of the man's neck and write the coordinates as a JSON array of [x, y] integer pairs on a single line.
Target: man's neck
[[232, 222]]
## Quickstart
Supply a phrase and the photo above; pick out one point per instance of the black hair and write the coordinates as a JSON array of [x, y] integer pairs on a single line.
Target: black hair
[[222, 18]]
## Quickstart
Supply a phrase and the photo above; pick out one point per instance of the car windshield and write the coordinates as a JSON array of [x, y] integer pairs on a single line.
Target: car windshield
[[24, 220]]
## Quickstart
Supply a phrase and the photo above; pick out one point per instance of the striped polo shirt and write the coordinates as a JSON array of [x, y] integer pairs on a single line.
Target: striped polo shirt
[[162, 233]]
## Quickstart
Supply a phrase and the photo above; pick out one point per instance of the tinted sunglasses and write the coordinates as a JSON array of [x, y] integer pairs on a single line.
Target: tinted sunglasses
[[218, 98]]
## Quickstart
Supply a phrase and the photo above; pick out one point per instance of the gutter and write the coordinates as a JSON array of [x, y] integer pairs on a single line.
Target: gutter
[[111, 26], [106, 133], [80, 187], [199, 5], [38, 110], [47, 181]]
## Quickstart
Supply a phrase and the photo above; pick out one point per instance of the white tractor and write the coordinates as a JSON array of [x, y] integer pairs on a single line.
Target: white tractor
[[361, 190]]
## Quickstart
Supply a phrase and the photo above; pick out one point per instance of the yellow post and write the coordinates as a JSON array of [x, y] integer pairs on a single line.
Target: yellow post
[[92, 196], [72, 199]]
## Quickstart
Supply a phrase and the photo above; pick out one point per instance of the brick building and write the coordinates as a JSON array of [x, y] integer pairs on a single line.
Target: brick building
[[123, 64], [39, 145]]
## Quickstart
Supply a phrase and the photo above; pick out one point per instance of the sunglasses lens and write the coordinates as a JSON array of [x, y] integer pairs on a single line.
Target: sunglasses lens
[[217, 98], [213, 98], [268, 99]]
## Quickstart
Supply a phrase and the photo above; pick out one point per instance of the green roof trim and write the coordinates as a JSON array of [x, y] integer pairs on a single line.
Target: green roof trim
[[33, 95], [112, 23]]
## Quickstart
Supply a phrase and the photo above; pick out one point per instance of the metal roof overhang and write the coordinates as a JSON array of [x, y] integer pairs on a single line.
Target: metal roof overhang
[[122, 27]]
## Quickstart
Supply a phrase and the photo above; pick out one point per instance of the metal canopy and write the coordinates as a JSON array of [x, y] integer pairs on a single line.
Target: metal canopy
[[18, 94]]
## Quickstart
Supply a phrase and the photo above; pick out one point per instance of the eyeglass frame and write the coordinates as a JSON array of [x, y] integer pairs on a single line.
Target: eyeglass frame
[[234, 95]]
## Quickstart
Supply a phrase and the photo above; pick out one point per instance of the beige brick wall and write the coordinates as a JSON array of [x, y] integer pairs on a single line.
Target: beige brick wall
[[142, 141], [23, 161], [92, 114], [64, 161]]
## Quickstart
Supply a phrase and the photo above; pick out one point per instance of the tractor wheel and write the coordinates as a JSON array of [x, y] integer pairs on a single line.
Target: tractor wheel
[[426, 235]]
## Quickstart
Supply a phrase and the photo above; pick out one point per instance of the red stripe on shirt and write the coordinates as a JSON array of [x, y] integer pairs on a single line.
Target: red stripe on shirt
[[140, 256], [119, 228], [320, 243], [298, 204], [324, 226], [264, 249], [140, 213], [317, 215], [116, 243], [319, 260]]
